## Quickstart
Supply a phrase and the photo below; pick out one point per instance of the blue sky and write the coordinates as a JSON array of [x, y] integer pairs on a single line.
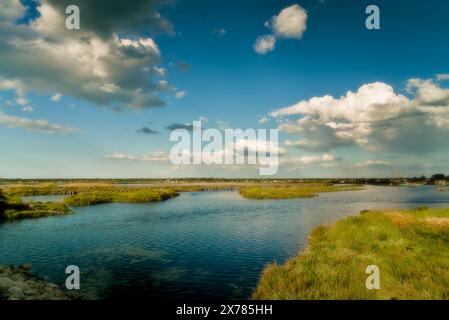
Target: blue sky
[[211, 70]]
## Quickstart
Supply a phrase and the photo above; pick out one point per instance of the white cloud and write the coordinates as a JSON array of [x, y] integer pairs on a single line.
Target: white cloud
[[370, 163], [56, 97], [104, 68], [309, 160], [28, 109], [11, 9], [265, 44], [264, 120], [155, 156], [180, 94], [263, 146], [18, 87], [291, 22], [160, 71], [143, 45], [374, 117], [442, 76], [428, 93], [33, 125], [121, 156]]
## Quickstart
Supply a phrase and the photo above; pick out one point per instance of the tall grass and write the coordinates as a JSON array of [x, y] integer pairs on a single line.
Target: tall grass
[[411, 248], [12, 208], [306, 190], [134, 196]]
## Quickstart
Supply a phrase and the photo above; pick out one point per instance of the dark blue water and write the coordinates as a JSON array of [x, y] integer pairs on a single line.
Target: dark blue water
[[199, 245]]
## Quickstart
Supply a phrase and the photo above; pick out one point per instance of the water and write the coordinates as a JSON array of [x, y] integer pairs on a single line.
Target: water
[[58, 198], [199, 245]]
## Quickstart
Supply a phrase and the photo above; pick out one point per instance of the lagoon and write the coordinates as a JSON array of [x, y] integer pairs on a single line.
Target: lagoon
[[198, 245]]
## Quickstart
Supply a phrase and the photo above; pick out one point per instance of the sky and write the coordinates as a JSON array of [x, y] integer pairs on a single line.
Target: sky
[[101, 101]]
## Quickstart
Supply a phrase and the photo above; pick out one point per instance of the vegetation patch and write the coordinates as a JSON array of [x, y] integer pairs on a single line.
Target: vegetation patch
[[12, 208], [410, 247], [305, 190], [133, 196]]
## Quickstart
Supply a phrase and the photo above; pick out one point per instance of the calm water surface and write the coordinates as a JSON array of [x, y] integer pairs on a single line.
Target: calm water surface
[[199, 245]]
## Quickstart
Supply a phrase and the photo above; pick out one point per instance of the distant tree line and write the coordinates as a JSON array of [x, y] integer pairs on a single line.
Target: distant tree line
[[439, 177]]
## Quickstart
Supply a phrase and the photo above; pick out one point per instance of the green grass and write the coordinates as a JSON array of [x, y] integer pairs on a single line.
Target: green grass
[[134, 196], [37, 210], [411, 248], [18, 210], [12, 208], [306, 190]]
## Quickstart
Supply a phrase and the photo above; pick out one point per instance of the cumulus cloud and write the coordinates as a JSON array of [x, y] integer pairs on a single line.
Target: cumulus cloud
[[11, 9], [105, 66], [290, 23], [34, 125], [106, 17], [56, 97], [19, 88], [427, 93], [374, 118], [265, 44]]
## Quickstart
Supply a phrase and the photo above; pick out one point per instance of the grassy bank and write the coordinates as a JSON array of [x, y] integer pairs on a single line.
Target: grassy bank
[[13, 208], [305, 190], [37, 210], [411, 248], [134, 196]]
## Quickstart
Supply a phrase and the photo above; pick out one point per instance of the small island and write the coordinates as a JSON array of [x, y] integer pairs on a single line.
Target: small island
[[291, 191], [132, 196], [13, 208]]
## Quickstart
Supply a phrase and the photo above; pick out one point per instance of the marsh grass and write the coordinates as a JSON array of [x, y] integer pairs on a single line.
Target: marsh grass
[[411, 248], [12, 208], [133, 196], [305, 190], [37, 210]]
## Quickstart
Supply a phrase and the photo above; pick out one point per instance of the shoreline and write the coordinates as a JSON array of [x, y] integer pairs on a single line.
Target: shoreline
[[19, 283]]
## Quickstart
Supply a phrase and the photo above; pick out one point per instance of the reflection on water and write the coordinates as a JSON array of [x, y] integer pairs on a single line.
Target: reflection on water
[[199, 245], [58, 198]]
